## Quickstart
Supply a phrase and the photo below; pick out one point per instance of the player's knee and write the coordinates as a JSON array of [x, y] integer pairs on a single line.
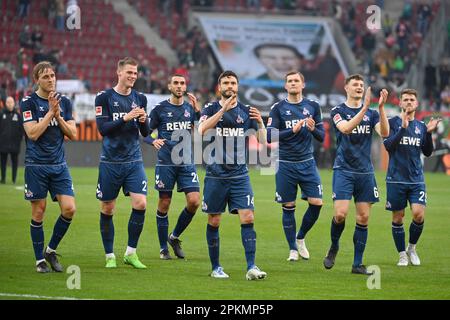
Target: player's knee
[[164, 204], [398, 218], [362, 219], [418, 216], [193, 204], [339, 216], [140, 205], [214, 220], [69, 211], [108, 208], [248, 218]]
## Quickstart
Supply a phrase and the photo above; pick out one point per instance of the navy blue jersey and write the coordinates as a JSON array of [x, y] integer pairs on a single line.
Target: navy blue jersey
[[285, 115], [229, 131], [48, 149], [405, 164], [353, 150], [174, 123], [122, 145]]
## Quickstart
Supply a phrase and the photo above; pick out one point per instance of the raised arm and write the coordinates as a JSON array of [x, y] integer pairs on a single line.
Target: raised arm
[[346, 127]]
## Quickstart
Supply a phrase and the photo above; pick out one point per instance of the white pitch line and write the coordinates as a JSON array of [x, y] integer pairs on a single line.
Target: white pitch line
[[33, 296]]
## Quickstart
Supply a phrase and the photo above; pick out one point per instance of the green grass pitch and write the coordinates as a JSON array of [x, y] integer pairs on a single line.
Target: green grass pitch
[[188, 279]]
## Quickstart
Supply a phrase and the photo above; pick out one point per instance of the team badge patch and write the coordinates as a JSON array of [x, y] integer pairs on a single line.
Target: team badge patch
[[239, 119], [98, 111], [186, 114], [305, 112], [366, 118], [337, 117], [417, 130], [27, 115], [203, 118]]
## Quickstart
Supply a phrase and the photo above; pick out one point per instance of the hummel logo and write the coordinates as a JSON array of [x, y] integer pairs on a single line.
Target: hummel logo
[[41, 108], [169, 114], [115, 104], [288, 113]]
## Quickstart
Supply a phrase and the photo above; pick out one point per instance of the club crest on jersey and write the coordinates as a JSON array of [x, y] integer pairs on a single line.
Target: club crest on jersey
[[186, 114], [98, 111], [27, 115], [288, 113], [239, 119], [305, 112], [388, 205], [366, 118], [134, 105], [417, 130], [169, 114], [204, 206]]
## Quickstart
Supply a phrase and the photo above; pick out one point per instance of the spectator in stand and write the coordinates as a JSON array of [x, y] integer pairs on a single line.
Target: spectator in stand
[[22, 70], [253, 4], [60, 15], [37, 37], [387, 24], [407, 10], [51, 11], [11, 133], [423, 16], [23, 8], [403, 31], [3, 94], [445, 98], [444, 73], [25, 38], [430, 82]]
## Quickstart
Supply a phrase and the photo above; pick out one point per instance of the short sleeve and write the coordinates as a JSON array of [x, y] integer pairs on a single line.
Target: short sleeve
[[317, 114], [101, 105], [154, 118], [336, 115], [375, 118], [27, 110], [68, 112], [274, 118], [143, 104], [207, 112]]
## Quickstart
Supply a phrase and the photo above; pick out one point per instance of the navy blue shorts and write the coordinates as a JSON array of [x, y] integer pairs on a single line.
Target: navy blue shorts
[[398, 195], [235, 192], [185, 176], [40, 179], [129, 176], [362, 186], [292, 174]]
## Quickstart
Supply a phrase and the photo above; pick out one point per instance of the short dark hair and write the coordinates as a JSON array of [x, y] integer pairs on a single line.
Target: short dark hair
[[227, 73], [125, 61], [177, 75], [41, 67], [260, 47], [290, 73], [355, 76], [409, 91]]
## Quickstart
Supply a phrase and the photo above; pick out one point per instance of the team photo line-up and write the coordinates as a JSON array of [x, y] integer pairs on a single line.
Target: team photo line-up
[[293, 123]]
